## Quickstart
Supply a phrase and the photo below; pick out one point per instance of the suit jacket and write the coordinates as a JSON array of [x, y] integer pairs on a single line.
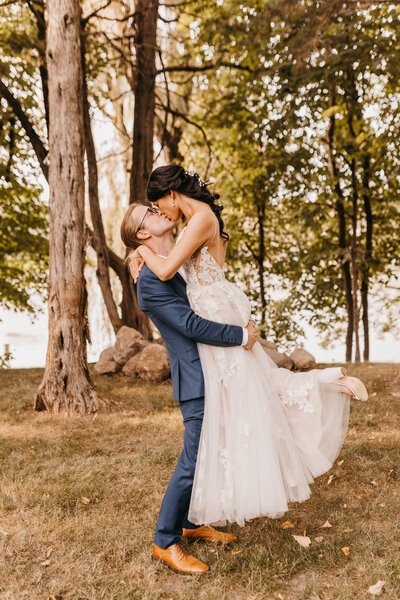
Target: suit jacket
[[167, 305]]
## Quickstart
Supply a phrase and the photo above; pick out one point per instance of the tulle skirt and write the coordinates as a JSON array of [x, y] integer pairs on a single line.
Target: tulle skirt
[[267, 434]]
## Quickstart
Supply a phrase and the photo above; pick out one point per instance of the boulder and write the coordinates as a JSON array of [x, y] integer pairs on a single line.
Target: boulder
[[279, 358], [153, 363], [130, 368], [302, 359], [128, 342], [106, 365], [266, 344]]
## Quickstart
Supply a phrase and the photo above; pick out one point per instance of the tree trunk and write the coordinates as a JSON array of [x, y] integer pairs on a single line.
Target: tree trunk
[[131, 314], [98, 238], [352, 110], [66, 387], [342, 237], [354, 258], [144, 77], [260, 262], [367, 254]]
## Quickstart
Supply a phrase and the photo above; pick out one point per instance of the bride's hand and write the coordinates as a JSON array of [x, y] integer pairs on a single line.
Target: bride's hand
[[135, 262]]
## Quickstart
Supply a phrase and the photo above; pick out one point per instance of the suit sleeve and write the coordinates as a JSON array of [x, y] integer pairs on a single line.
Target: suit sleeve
[[163, 302]]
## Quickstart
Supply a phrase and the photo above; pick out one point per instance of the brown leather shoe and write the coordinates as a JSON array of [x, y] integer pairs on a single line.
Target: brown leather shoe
[[177, 559], [208, 534]]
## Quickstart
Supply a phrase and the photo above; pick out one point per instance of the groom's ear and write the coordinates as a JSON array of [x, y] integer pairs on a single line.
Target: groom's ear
[[142, 234]]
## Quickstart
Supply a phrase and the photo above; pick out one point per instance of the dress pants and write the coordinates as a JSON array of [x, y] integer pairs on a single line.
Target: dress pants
[[175, 505]]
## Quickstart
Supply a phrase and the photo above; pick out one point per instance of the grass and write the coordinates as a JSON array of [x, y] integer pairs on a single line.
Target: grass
[[80, 498]]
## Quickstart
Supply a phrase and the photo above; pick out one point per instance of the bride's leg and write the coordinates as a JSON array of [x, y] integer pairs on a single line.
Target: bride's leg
[[351, 386]]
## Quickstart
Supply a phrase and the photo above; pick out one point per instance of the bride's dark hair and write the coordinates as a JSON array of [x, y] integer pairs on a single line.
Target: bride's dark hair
[[173, 177]]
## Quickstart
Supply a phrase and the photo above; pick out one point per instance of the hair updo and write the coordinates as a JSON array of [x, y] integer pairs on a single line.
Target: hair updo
[[173, 177]]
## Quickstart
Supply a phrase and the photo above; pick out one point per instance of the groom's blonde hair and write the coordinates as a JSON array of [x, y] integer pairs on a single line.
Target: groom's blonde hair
[[129, 226]]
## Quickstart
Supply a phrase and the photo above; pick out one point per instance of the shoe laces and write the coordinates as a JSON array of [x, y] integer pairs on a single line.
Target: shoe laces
[[182, 552]]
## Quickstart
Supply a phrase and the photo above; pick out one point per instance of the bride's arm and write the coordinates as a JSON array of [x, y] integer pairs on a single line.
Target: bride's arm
[[196, 234]]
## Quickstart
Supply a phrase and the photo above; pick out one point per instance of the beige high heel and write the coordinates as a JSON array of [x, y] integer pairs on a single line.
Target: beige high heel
[[354, 387]]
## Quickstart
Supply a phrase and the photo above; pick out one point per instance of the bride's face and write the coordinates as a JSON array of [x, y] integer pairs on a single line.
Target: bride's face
[[168, 206]]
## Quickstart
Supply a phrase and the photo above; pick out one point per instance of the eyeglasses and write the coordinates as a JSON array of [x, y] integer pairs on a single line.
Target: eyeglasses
[[150, 209]]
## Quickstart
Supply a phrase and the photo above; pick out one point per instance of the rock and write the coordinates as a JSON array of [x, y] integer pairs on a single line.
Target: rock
[[106, 365], [128, 342], [267, 344], [130, 368], [302, 359], [280, 358], [153, 363]]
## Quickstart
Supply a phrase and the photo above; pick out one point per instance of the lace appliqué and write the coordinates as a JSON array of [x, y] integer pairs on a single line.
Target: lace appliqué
[[299, 397]]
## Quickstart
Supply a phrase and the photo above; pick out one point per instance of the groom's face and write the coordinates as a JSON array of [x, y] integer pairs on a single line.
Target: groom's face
[[154, 223]]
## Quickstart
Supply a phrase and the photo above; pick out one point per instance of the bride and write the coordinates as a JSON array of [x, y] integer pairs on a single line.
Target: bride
[[267, 432]]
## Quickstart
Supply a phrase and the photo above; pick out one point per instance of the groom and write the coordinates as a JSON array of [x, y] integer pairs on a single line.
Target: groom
[[167, 305]]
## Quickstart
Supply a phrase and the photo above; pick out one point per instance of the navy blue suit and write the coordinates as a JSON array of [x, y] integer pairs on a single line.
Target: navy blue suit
[[167, 305]]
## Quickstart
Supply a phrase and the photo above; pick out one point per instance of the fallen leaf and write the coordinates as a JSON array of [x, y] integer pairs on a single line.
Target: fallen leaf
[[303, 540], [373, 482], [382, 505], [330, 479], [340, 462], [347, 530], [346, 550], [376, 590], [236, 551], [277, 562], [287, 525], [280, 597], [45, 563], [49, 551], [326, 524], [85, 500], [319, 538], [389, 472]]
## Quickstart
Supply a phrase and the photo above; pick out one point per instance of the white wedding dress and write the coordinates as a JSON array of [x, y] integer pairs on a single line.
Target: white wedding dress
[[267, 432]]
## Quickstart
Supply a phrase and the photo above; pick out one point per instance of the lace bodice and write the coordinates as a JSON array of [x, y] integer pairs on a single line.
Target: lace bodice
[[211, 295]]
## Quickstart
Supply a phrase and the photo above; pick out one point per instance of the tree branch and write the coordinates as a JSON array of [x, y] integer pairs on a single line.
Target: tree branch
[[20, 113], [85, 20], [195, 69]]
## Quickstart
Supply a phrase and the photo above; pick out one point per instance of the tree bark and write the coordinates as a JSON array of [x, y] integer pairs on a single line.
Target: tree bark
[[66, 386], [367, 253], [260, 263], [143, 76], [342, 236], [98, 238], [354, 258]]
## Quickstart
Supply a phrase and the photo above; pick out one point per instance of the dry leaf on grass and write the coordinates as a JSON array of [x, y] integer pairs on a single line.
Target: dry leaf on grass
[[376, 590], [303, 540], [236, 551], [319, 538], [373, 482], [85, 500], [346, 550], [45, 563], [326, 524], [330, 479], [287, 525], [340, 462]]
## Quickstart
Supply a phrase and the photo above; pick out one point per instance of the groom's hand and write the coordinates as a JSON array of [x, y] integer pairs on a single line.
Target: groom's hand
[[251, 330]]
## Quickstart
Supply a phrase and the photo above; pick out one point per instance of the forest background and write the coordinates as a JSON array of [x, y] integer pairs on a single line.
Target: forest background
[[289, 109]]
